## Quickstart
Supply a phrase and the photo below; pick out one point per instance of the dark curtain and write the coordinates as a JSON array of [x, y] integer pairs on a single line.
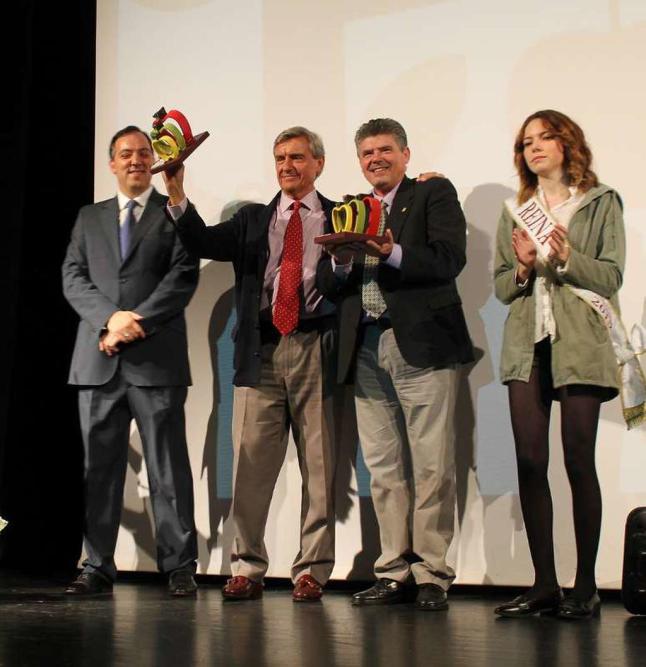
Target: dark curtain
[[47, 151]]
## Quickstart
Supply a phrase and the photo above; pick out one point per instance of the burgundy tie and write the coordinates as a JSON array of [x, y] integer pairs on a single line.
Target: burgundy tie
[[287, 304]]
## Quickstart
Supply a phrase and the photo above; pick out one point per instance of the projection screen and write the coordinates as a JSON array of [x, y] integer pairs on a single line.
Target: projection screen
[[460, 76]]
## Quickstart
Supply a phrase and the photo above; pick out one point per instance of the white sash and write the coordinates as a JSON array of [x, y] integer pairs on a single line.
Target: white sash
[[538, 223]]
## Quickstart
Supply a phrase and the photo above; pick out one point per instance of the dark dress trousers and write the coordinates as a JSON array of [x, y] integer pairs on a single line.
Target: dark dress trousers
[[146, 380]]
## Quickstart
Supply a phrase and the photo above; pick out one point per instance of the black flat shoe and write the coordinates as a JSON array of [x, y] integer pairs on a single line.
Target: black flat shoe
[[575, 609], [385, 591], [528, 604]]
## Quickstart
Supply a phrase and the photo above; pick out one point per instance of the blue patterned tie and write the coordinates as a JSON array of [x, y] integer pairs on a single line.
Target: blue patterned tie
[[125, 229]]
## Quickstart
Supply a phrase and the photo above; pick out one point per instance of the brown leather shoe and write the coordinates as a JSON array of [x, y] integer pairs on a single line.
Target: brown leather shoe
[[307, 589], [242, 588], [89, 584], [181, 584]]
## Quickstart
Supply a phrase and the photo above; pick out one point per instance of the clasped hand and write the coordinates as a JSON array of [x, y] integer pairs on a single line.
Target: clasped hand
[[525, 249], [123, 327], [559, 245]]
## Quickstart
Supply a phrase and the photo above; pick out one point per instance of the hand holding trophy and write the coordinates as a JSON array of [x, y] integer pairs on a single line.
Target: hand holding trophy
[[172, 139]]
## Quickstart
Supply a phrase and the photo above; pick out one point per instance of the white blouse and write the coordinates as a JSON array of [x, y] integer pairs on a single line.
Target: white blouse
[[562, 213]]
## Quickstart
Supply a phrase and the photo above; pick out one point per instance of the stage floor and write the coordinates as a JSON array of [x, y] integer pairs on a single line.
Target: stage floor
[[141, 626]]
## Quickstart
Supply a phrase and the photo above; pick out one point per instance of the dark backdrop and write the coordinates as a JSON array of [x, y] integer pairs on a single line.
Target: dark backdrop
[[47, 150]]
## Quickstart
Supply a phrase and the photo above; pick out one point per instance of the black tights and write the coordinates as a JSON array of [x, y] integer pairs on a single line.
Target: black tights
[[530, 404]]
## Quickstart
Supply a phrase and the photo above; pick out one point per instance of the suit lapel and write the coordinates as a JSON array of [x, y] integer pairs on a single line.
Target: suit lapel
[[153, 213], [401, 207], [327, 206], [264, 220], [109, 223]]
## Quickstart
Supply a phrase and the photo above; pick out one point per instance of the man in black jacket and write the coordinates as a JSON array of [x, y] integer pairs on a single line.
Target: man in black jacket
[[282, 342], [402, 336]]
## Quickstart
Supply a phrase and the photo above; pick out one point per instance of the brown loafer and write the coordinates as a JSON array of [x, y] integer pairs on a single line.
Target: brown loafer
[[242, 588], [307, 589]]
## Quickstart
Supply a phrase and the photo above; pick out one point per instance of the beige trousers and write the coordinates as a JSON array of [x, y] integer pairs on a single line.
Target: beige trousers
[[405, 420], [291, 393]]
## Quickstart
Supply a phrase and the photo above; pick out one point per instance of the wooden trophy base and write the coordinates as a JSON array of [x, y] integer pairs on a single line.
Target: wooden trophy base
[[343, 238], [176, 162]]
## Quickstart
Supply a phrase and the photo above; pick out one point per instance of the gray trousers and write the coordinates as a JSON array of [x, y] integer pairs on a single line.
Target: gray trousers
[[105, 413], [405, 421], [291, 393]]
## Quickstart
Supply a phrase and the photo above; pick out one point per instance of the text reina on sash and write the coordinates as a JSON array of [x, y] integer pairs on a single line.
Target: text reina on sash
[[537, 222]]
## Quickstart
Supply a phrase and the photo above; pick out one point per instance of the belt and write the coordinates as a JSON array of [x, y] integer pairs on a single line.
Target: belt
[[383, 323], [319, 324], [269, 333]]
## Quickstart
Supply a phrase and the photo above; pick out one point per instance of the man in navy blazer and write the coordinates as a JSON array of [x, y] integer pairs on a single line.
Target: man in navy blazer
[[281, 379], [129, 278], [402, 336]]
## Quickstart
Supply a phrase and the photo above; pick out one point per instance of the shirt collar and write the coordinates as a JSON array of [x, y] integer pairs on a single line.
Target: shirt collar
[[390, 197], [310, 201], [141, 199], [574, 195]]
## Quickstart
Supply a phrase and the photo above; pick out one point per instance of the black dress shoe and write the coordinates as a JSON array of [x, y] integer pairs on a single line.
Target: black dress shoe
[[430, 597], [181, 584], [385, 591], [528, 604], [89, 584], [575, 609]]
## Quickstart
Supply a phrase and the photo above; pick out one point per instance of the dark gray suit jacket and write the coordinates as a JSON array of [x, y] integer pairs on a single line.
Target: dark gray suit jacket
[[422, 298], [157, 280]]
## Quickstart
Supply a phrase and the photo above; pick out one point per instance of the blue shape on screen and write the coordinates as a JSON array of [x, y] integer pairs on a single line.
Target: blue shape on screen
[[363, 476], [224, 444], [496, 459]]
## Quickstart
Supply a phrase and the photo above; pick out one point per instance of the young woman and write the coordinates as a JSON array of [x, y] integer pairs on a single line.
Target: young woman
[[556, 346]]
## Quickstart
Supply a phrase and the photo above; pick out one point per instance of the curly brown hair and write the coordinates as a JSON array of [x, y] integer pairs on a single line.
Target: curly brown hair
[[577, 156]]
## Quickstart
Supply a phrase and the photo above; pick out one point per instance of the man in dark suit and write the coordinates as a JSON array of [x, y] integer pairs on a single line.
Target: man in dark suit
[[402, 336], [283, 339], [129, 278]]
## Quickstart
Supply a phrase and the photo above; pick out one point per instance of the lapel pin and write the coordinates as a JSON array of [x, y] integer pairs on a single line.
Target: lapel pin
[[404, 210]]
